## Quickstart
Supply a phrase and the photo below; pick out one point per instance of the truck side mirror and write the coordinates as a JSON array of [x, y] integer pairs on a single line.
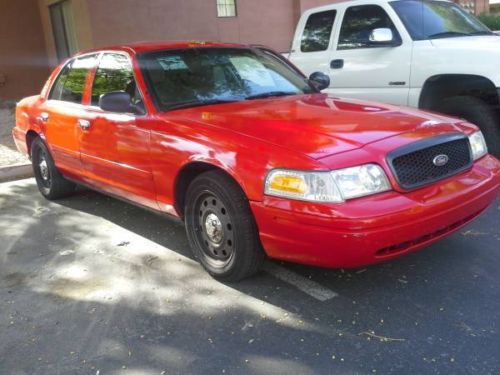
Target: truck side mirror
[[382, 36], [319, 80]]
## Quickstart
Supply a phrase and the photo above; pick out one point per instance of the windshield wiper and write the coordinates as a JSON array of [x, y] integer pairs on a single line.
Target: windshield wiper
[[447, 34], [199, 103], [270, 94], [482, 33]]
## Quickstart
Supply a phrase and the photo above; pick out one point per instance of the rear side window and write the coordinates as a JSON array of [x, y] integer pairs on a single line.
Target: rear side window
[[359, 22], [317, 32], [114, 74], [70, 84]]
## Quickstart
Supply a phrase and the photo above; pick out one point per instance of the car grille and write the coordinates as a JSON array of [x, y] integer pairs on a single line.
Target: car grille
[[413, 165]]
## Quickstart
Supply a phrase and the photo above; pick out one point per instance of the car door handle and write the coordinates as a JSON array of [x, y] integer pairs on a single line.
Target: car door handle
[[44, 117], [337, 64], [84, 124]]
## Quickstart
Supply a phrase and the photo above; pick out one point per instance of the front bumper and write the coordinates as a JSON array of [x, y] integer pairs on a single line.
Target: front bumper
[[377, 228]]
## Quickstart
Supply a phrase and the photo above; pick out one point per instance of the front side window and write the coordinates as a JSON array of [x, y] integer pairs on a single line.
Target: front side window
[[226, 8], [114, 74], [70, 84], [437, 19], [200, 76], [358, 24], [317, 32]]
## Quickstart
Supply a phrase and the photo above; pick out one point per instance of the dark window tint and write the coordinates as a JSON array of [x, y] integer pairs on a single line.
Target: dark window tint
[[115, 74], [317, 31], [201, 76], [70, 84], [359, 22]]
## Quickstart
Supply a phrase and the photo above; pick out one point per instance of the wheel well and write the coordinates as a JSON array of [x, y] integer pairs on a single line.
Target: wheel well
[[30, 137], [443, 86], [184, 178]]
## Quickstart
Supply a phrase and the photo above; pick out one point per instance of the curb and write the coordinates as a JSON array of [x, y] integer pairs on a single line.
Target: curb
[[16, 172]]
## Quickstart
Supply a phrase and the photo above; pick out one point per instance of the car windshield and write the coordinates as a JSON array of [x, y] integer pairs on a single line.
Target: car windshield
[[191, 77], [437, 19]]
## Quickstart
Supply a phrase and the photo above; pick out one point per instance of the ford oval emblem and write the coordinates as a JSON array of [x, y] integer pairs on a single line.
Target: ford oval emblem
[[440, 160]]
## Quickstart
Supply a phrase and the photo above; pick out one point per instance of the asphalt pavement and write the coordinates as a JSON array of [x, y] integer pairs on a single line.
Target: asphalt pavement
[[92, 285]]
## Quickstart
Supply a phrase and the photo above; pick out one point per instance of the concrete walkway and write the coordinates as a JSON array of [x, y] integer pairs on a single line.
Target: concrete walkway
[[13, 164]]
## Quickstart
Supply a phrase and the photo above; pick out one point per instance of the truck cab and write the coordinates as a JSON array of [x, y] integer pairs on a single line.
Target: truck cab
[[427, 54]]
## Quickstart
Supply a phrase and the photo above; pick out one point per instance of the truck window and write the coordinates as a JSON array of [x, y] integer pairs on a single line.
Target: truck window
[[359, 22], [317, 32], [437, 19]]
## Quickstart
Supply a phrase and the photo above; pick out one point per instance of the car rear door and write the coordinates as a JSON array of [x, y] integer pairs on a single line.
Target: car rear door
[[115, 146], [60, 112]]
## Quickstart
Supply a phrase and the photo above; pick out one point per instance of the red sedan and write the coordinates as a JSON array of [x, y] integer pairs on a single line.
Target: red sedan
[[247, 151]]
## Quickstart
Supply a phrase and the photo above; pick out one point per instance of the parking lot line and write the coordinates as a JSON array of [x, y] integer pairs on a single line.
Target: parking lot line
[[302, 283]]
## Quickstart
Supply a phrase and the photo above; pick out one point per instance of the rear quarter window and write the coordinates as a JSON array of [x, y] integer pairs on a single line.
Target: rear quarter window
[[70, 83]]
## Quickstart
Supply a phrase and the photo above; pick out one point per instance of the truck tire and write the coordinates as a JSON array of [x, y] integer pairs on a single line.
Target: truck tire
[[478, 113], [221, 228]]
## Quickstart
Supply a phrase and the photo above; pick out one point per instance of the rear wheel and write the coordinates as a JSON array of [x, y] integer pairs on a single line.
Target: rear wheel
[[479, 113], [51, 183], [221, 228]]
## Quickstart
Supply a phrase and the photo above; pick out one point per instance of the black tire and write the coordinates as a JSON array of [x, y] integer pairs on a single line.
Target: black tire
[[51, 183], [479, 113], [221, 228]]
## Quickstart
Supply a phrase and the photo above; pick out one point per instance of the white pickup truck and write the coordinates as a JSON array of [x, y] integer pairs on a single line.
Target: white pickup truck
[[428, 54]]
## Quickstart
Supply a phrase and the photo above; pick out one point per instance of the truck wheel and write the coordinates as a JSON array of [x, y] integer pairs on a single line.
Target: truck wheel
[[51, 183], [479, 113], [221, 228]]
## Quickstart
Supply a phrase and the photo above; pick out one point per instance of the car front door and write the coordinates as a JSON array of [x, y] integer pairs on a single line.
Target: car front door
[[115, 146], [363, 69], [60, 112]]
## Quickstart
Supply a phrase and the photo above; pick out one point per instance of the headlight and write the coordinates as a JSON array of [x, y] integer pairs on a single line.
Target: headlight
[[478, 145], [335, 187], [307, 186], [360, 181]]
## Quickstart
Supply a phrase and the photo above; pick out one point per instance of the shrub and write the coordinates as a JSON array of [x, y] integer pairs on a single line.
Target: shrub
[[491, 20]]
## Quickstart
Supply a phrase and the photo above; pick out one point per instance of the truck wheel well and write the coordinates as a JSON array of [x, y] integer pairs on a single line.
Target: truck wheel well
[[30, 137], [439, 87], [184, 178]]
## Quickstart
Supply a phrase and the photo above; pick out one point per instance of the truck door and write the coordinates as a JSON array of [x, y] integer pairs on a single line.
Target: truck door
[[337, 42]]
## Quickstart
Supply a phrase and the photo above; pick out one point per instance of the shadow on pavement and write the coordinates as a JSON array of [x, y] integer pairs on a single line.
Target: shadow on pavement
[[88, 284]]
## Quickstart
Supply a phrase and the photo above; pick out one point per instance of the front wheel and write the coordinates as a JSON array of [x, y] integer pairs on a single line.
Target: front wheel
[[221, 228], [51, 183]]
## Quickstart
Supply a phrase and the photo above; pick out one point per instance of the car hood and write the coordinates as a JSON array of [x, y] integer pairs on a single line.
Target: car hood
[[317, 125]]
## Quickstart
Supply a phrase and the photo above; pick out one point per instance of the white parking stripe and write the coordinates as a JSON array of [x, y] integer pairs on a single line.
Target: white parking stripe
[[309, 287]]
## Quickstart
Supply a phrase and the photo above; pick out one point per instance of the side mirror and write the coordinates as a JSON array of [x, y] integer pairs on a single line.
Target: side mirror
[[382, 36], [319, 80], [116, 101]]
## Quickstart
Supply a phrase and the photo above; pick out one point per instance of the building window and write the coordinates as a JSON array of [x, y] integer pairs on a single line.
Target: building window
[[62, 29], [226, 8]]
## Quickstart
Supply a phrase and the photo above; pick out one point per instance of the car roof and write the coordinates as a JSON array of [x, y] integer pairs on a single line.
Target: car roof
[[141, 47]]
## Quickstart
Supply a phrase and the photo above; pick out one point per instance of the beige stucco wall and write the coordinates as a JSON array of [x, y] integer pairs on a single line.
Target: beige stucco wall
[[23, 58], [258, 21]]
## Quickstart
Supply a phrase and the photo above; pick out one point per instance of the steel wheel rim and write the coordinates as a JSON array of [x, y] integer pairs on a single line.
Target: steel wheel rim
[[43, 169], [214, 228]]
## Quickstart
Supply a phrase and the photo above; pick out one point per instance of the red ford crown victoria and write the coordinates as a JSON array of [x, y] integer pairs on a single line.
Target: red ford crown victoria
[[236, 142]]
